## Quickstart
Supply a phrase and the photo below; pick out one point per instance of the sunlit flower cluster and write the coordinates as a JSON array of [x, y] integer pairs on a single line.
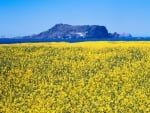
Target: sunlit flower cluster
[[98, 77]]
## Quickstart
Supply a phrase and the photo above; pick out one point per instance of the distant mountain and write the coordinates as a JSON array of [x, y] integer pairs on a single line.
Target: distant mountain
[[65, 31], [70, 33]]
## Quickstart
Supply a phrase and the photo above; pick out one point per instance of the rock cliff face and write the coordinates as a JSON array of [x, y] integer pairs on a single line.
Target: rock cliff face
[[70, 33], [65, 31]]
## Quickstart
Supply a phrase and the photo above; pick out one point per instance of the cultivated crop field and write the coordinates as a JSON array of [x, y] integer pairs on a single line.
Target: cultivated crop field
[[87, 77]]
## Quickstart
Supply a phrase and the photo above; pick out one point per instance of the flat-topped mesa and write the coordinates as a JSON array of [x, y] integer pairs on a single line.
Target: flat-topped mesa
[[65, 31]]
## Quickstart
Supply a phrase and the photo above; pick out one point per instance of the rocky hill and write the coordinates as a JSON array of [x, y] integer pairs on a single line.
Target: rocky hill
[[76, 33], [65, 31]]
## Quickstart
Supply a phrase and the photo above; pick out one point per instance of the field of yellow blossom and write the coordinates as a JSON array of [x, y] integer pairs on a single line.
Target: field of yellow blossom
[[86, 77]]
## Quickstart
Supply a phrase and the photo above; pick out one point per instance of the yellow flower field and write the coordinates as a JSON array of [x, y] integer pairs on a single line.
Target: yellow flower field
[[86, 77]]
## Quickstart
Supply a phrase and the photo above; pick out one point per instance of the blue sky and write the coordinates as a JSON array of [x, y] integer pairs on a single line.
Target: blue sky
[[26, 17]]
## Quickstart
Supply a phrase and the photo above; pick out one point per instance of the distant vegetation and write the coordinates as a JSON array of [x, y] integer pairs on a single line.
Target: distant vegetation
[[89, 77]]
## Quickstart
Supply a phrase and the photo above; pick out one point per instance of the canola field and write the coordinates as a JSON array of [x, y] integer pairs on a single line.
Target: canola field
[[86, 77]]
